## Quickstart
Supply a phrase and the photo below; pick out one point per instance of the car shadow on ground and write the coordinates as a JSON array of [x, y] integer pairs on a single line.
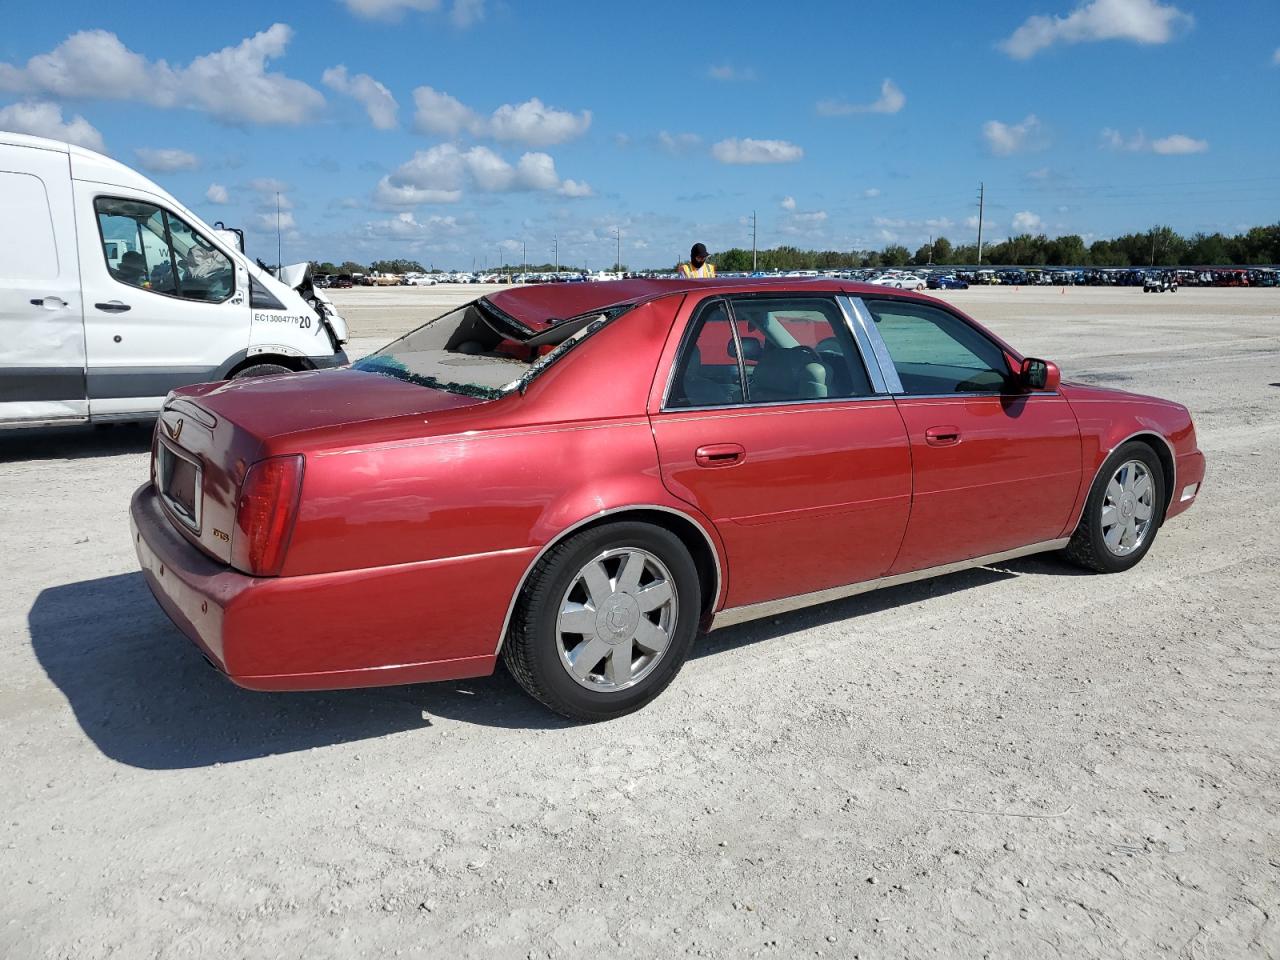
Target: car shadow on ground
[[145, 697], [75, 443]]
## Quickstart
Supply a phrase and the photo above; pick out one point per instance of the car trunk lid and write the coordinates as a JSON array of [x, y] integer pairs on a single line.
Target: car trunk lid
[[210, 434]]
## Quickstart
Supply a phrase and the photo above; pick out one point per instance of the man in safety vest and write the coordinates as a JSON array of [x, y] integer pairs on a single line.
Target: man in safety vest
[[697, 265]]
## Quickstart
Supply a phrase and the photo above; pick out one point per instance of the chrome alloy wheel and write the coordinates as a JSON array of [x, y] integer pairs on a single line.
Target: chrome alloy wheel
[[616, 619], [1128, 508]]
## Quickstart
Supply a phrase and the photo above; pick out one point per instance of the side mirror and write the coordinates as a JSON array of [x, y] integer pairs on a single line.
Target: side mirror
[[1042, 375], [752, 349]]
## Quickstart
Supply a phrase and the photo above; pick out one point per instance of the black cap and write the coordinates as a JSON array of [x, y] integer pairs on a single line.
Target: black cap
[[698, 250]]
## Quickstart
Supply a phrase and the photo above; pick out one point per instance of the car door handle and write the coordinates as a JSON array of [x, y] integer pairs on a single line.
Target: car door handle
[[49, 303], [719, 455], [113, 306], [942, 436]]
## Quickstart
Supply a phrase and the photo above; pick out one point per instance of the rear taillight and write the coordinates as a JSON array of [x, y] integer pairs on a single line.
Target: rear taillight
[[265, 513]]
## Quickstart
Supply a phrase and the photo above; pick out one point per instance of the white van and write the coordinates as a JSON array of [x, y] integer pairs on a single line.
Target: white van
[[112, 293]]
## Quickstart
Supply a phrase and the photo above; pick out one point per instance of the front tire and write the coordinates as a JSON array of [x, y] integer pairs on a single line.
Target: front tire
[[605, 621], [261, 370], [1123, 513]]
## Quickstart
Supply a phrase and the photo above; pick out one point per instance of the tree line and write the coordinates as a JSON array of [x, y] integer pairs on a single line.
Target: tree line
[[1161, 246]]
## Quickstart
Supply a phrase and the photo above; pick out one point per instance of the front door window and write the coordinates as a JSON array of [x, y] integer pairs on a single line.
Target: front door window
[[147, 247]]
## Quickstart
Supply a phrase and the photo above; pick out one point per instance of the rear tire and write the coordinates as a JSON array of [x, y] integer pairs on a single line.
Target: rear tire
[[1113, 534], [605, 621], [261, 370]]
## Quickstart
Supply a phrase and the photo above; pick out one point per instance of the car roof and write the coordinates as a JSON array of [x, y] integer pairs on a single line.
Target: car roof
[[537, 306]]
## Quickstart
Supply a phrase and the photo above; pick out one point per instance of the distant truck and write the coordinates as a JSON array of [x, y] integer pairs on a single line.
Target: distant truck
[[112, 293]]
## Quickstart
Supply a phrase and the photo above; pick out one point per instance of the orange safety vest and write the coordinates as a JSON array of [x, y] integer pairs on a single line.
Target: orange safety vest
[[705, 271]]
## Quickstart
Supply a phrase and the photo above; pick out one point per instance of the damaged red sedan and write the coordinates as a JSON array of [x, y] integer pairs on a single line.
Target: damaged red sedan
[[580, 478]]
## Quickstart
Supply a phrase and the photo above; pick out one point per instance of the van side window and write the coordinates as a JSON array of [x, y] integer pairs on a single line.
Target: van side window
[[150, 248]]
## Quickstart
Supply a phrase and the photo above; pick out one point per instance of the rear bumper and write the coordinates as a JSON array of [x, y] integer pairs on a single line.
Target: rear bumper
[[412, 623]]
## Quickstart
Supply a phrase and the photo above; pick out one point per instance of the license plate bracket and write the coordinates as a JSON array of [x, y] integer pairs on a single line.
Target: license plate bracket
[[179, 477]]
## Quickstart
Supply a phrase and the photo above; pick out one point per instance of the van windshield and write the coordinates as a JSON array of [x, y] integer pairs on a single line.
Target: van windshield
[[478, 351]]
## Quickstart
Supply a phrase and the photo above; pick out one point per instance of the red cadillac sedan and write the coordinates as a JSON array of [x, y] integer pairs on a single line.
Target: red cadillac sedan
[[577, 478]]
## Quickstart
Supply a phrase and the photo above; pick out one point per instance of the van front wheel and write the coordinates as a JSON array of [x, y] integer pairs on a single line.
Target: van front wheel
[[261, 370]]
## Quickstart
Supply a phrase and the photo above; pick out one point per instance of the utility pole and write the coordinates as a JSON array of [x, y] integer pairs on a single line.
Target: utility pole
[[982, 196], [524, 256], [279, 241], [555, 246], [617, 260], [930, 263], [753, 241]]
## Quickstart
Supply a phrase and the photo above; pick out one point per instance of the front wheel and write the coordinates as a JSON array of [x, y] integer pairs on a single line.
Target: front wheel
[[605, 621], [1124, 510], [261, 370]]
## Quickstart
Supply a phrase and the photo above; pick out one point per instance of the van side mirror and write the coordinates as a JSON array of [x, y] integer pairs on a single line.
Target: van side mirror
[[1041, 375]]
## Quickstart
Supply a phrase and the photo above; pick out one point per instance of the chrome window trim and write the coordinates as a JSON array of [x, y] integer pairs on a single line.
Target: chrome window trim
[[629, 508], [879, 349], [762, 405], [772, 608], [864, 344]]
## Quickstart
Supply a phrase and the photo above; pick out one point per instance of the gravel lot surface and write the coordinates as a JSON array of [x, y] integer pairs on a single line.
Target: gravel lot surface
[[1022, 762]]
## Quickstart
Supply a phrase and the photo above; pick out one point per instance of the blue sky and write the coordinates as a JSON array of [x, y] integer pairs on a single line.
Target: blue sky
[[456, 131]]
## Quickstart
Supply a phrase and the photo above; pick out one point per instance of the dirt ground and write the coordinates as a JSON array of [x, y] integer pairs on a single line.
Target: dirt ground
[[1016, 762]]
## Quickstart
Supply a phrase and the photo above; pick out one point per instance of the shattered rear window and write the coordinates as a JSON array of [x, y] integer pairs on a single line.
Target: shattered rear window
[[478, 351]]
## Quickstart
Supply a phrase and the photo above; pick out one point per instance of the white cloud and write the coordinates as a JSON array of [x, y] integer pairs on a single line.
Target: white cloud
[[1179, 143], [388, 194], [971, 222], [166, 161], [532, 122], [871, 192], [817, 216], [466, 12], [231, 84], [463, 13], [268, 185], [1275, 57], [43, 119], [729, 73], [440, 113], [1142, 21], [217, 193], [891, 101], [749, 151], [536, 124], [1042, 173], [678, 143], [405, 226], [441, 173], [267, 222], [1004, 139], [788, 203], [376, 99], [1024, 221]]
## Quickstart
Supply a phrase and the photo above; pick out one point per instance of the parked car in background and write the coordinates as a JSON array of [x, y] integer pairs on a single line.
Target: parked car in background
[[899, 281], [739, 448], [421, 280], [342, 281], [112, 293], [1162, 282], [946, 282]]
